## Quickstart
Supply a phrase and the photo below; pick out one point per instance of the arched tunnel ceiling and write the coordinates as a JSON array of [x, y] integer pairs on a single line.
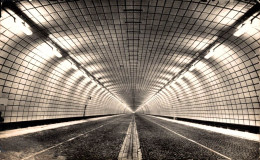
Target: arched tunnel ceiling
[[134, 47]]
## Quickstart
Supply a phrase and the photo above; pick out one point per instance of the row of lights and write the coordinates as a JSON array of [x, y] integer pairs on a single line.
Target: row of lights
[[241, 29], [49, 48]]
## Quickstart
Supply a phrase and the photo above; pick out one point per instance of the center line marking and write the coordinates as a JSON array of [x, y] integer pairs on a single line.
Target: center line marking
[[190, 139], [130, 149]]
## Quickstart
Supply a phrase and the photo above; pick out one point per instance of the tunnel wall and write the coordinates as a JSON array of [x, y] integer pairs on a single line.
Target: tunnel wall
[[35, 85], [224, 88]]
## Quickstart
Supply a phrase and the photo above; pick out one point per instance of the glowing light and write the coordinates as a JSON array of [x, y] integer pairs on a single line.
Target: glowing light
[[188, 75], [73, 64], [65, 42], [200, 65], [173, 82], [82, 71], [192, 68], [242, 29], [43, 50], [46, 49], [211, 52], [250, 26], [56, 53], [168, 87], [78, 73], [17, 24], [66, 64], [196, 65], [23, 27]]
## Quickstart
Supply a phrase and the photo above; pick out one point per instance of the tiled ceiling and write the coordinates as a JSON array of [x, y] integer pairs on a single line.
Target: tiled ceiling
[[135, 47]]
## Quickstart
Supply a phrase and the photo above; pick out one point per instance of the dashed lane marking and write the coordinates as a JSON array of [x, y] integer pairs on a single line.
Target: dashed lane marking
[[56, 145], [190, 140]]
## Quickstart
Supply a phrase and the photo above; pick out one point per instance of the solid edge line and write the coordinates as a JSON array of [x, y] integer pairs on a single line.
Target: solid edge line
[[56, 145], [191, 140], [34, 129], [224, 131]]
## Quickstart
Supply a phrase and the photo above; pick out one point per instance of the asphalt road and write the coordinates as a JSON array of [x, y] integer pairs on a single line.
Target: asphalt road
[[101, 139], [160, 139]]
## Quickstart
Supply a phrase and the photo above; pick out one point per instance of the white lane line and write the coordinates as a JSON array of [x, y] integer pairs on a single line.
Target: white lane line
[[190, 140], [23, 131], [125, 146], [225, 131], [56, 145]]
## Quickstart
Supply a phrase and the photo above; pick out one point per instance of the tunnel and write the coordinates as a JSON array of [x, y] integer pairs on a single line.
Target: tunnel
[[129, 79]]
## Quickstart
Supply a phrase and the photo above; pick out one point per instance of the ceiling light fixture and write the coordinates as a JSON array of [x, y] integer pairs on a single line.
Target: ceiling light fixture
[[193, 66], [73, 64], [23, 27], [241, 29], [211, 52], [82, 71], [19, 23], [55, 51], [246, 26]]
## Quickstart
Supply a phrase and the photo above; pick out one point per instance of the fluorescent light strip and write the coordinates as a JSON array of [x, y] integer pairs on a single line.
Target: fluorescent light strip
[[192, 68], [242, 29], [55, 51], [23, 27], [211, 52], [19, 23], [73, 64]]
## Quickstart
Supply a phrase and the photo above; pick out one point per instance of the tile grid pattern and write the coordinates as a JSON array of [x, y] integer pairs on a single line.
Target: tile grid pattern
[[108, 37], [215, 93], [134, 48]]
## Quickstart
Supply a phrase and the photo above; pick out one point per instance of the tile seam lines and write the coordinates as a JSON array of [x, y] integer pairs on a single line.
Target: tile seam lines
[[65, 53], [242, 19], [190, 139], [68, 140]]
